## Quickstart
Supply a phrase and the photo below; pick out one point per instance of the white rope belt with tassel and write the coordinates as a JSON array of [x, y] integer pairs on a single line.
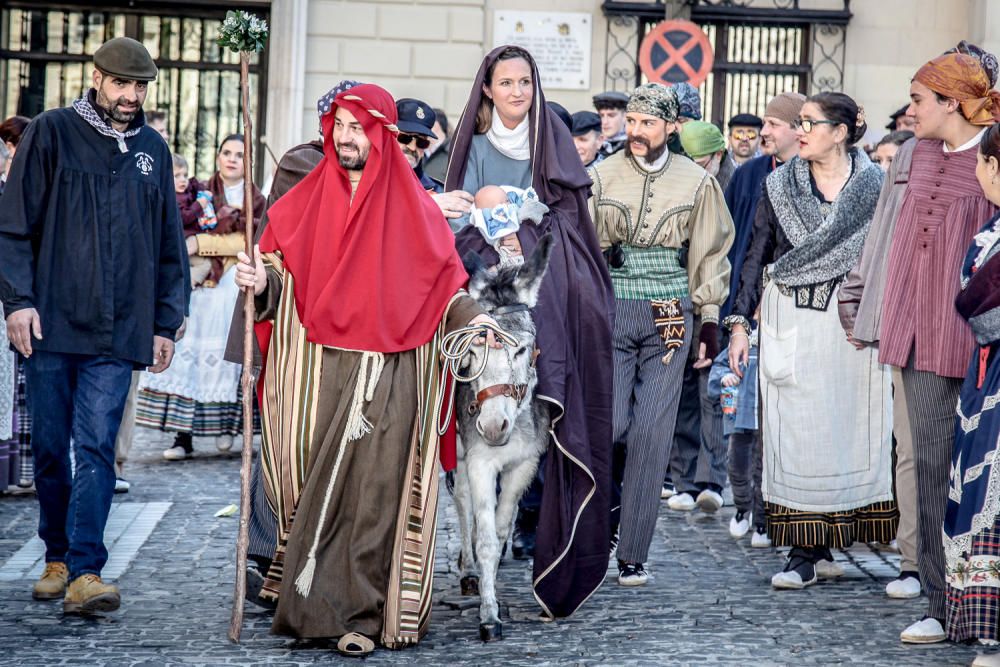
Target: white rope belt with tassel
[[355, 428]]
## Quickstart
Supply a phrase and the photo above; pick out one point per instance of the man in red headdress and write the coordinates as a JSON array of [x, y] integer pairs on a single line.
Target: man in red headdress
[[357, 279], [902, 297]]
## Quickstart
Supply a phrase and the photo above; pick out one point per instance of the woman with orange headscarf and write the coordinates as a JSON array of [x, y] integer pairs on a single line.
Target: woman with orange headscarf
[[902, 296]]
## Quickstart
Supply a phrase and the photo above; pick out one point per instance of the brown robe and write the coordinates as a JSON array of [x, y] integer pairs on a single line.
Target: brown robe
[[355, 553]]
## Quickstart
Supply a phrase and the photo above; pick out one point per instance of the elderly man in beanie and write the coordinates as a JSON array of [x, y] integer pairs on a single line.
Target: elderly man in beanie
[[703, 142], [744, 137], [610, 106], [665, 226], [586, 131], [89, 301], [902, 295], [780, 143], [416, 123]]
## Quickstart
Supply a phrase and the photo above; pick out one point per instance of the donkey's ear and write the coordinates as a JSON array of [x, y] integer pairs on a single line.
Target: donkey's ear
[[529, 277], [473, 263]]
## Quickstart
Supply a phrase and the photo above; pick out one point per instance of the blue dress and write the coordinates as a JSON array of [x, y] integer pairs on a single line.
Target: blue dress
[[972, 518]]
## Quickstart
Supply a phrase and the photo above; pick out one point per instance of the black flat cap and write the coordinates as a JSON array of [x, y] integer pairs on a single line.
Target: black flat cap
[[745, 120], [901, 111], [125, 58], [584, 122], [415, 117], [611, 99]]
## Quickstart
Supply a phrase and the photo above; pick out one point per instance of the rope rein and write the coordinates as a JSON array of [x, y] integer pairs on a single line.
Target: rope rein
[[456, 345]]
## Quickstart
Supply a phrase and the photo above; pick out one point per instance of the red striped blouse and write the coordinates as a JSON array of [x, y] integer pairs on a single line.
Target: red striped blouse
[[942, 210]]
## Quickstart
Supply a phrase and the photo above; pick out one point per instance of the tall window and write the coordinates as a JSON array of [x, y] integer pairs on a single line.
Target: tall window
[[46, 60]]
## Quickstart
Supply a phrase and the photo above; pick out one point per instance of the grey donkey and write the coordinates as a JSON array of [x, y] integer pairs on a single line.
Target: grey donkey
[[502, 427]]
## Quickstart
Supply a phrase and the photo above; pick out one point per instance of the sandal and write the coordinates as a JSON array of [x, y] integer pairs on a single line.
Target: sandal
[[353, 644]]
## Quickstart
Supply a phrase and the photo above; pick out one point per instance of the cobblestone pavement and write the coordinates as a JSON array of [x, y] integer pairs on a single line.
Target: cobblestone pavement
[[708, 601]]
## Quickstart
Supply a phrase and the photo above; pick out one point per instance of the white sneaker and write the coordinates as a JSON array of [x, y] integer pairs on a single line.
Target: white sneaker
[[791, 580], [903, 588], [709, 501], [177, 453], [987, 660], [682, 502], [667, 491], [760, 541], [739, 525], [121, 485], [829, 569], [632, 574], [925, 631], [223, 442]]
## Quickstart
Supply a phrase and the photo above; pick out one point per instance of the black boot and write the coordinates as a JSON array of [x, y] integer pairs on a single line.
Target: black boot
[[523, 543]]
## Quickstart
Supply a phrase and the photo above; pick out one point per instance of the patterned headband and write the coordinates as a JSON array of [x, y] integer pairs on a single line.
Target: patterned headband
[[375, 114], [654, 99]]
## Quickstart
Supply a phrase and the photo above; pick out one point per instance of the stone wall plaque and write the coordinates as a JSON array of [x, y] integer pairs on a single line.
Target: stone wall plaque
[[559, 42]]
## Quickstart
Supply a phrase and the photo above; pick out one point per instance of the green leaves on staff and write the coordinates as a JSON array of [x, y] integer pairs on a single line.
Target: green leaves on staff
[[242, 31]]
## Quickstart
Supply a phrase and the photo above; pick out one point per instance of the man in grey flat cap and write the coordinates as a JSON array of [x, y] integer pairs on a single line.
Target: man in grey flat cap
[[88, 302], [664, 223]]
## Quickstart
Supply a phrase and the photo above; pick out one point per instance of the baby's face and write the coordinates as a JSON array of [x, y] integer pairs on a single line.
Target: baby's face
[[180, 180], [490, 196]]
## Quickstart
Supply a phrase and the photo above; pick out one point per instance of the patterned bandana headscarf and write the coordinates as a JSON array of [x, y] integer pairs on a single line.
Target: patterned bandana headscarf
[[688, 100], [987, 60], [962, 77], [654, 99]]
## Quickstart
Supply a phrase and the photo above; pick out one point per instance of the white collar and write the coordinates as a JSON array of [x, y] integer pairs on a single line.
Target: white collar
[[512, 143], [971, 143]]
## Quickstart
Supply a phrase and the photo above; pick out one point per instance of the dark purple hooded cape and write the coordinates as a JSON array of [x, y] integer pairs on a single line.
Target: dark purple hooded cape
[[574, 318]]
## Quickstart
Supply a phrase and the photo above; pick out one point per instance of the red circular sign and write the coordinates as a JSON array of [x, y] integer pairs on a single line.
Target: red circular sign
[[676, 51]]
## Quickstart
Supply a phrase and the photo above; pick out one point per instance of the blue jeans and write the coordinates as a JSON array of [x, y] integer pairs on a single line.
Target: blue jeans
[[78, 399]]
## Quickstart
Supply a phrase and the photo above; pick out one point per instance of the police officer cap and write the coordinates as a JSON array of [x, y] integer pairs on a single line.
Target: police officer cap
[[584, 122], [125, 58], [611, 99], [415, 117]]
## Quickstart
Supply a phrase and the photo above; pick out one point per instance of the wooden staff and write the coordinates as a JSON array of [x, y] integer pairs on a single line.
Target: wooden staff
[[246, 381]]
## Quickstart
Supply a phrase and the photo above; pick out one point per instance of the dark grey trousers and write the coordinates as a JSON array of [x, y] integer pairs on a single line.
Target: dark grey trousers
[[930, 402], [746, 464], [647, 392], [699, 452], [263, 522]]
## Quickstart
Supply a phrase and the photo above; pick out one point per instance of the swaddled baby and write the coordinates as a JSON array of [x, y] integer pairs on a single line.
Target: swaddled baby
[[498, 211]]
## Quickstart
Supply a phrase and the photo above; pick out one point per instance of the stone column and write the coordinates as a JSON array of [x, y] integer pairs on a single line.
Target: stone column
[[286, 73]]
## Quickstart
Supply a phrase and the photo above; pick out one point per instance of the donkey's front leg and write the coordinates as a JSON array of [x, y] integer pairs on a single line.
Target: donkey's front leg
[[482, 481], [513, 482], [469, 574]]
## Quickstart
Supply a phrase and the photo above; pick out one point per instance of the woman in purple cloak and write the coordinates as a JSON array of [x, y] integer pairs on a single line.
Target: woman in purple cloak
[[508, 136]]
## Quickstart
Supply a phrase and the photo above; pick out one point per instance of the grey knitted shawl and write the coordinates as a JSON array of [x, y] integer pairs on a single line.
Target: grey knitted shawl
[[827, 239]]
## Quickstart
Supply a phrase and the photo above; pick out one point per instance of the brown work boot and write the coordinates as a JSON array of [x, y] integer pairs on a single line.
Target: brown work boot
[[88, 594], [52, 584]]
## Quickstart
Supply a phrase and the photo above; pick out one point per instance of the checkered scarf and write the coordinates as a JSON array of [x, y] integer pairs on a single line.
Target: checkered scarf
[[82, 107]]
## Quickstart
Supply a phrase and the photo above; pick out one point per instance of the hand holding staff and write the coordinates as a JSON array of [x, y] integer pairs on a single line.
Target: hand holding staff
[[245, 33]]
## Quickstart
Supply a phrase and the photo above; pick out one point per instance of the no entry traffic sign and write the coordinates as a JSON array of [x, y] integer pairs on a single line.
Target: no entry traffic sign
[[676, 51]]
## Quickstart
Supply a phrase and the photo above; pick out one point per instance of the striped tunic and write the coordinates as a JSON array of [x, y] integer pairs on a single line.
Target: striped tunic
[[943, 209]]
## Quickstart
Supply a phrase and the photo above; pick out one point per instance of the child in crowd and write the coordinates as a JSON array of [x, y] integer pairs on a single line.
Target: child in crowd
[[741, 425], [498, 212], [197, 215]]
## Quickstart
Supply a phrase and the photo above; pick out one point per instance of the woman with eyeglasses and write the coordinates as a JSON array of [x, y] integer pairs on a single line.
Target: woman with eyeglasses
[[825, 400]]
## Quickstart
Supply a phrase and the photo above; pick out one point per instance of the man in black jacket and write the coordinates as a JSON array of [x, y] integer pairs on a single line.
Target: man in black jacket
[[94, 283]]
